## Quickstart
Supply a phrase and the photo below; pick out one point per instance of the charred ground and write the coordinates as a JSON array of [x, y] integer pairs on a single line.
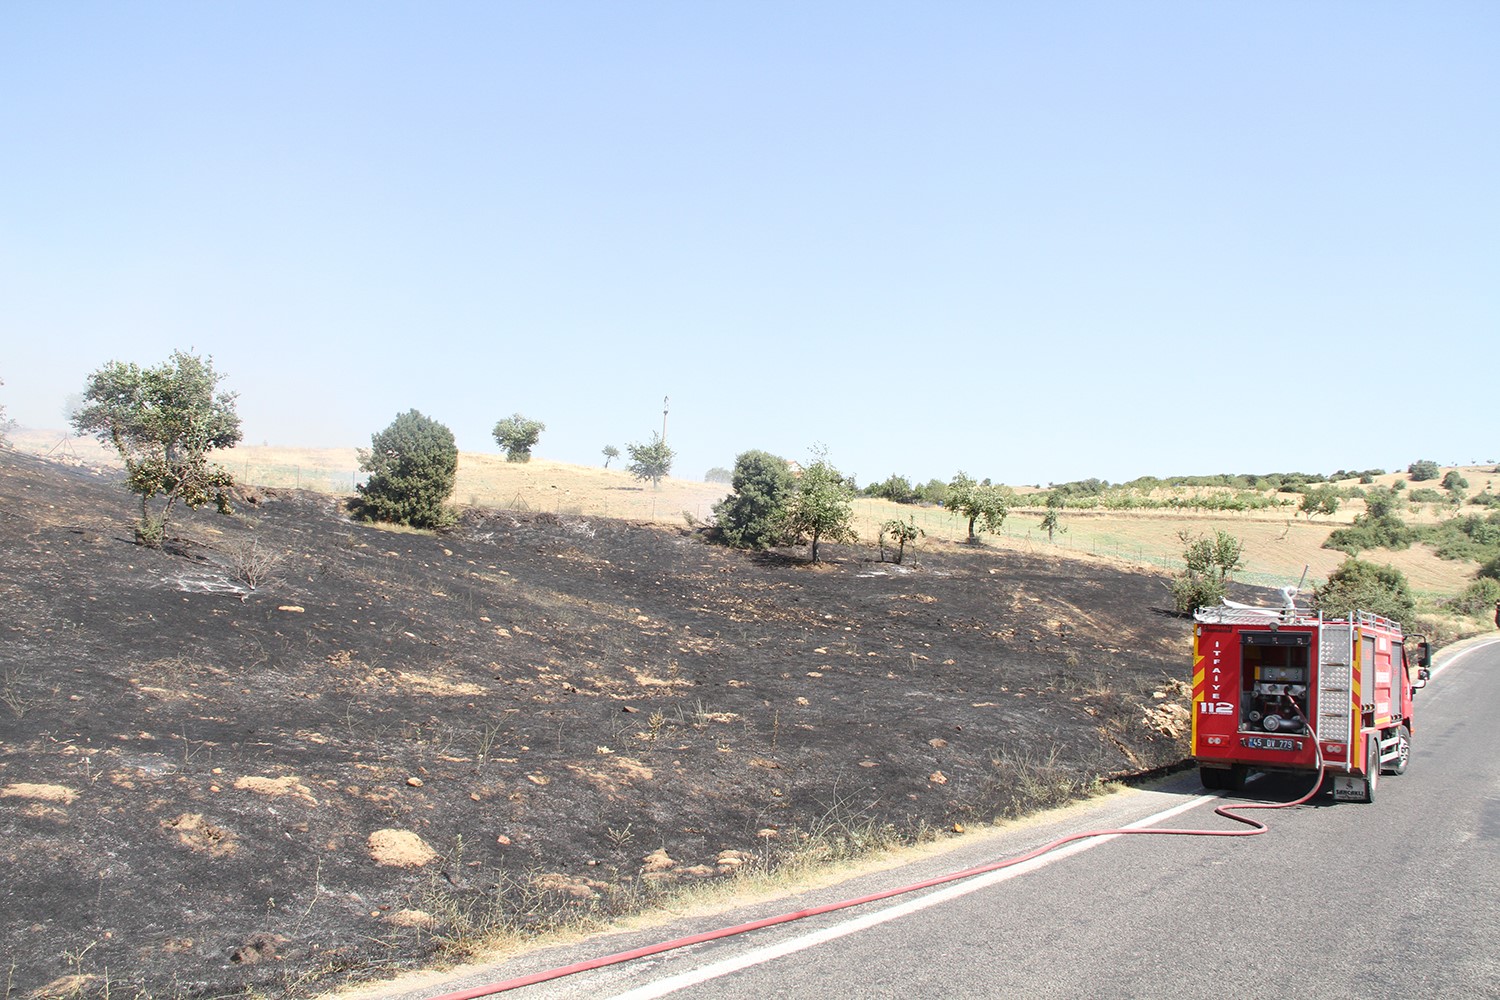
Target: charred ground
[[397, 741]]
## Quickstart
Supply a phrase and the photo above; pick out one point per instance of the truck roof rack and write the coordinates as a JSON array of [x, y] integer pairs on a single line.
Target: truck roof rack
[[1245, 615]]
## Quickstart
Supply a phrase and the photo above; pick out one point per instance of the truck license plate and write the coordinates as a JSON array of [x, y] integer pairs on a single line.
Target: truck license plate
[[1268, 743]]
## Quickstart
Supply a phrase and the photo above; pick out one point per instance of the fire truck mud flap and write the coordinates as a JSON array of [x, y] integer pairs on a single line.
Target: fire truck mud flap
[[1350, 788]]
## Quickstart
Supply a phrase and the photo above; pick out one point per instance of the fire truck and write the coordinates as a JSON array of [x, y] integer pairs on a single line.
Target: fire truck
[[1284, 689]]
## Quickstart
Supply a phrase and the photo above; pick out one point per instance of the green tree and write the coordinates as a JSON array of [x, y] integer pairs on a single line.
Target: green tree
[[1209, 563], [650, 461], [752, 515], [936, 491], [903, 532], [610, 452], [518, 435], [1422, 470], [895, 488], [718, 474], [1320, 500], [164, 422], [1364, 586], [1453, 481], [821, 505], [981, 504], [413, 465], [1052, 520]]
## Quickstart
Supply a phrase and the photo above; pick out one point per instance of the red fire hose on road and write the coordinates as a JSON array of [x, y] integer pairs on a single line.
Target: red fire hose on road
[[1227, 811]]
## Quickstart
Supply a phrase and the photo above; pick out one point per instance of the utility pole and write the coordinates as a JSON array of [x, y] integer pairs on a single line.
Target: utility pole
[[664, 401]]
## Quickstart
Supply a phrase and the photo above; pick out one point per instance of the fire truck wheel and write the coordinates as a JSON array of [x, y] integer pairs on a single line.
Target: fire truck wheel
[[1403, 749], [1372, 766], [1213, 778]]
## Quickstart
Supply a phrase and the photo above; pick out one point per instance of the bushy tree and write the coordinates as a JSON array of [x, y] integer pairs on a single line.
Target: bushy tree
[[751, 516], [895, 488], [1209, 563], [650, 461], [1422, 470], [518, 435], [1364, 586], [164, 422], [981, 504], [1453, 481], [610, 452], [936, 492], [413, 465], [821, 505], [1478, 599], [1320, 500], [718, 474]]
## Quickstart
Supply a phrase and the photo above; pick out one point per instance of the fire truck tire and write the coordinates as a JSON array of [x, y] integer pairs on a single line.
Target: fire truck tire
[[1403, 747], [1214, 778], [1372, 766]]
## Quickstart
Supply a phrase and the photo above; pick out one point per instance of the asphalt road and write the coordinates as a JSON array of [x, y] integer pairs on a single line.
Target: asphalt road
[[1397, 898]]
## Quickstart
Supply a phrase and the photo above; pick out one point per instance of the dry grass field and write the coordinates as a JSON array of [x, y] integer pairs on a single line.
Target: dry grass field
[[1278, 543]]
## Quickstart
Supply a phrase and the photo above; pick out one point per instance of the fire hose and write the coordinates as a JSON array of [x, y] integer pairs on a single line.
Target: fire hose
[[1228, 811]]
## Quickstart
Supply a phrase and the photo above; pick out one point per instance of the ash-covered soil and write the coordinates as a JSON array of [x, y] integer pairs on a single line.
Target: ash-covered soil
[[397, 741]]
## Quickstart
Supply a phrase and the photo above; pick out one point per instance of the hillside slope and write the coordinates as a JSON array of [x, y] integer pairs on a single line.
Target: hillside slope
[[400, 741]]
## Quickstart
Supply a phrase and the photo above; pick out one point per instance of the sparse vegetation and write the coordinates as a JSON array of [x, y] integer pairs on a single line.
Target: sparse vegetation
[[164, 422], [253, 563], [518, 435], [412, 465], [5, 424], [902, 533]]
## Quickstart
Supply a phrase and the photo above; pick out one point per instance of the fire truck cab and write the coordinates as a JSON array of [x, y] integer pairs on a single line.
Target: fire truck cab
[[1284, 689]]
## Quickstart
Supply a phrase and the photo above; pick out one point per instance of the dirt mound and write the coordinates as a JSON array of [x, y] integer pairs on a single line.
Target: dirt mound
[[569, 715]]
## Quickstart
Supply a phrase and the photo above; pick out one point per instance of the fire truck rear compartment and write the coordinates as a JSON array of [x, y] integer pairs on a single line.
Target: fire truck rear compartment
[[1274, 682]]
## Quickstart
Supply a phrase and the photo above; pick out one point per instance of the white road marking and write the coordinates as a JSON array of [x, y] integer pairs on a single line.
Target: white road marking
[[761, 955]]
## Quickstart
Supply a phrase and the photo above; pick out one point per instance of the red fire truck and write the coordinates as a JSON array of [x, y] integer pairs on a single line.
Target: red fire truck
[[1284, 689]]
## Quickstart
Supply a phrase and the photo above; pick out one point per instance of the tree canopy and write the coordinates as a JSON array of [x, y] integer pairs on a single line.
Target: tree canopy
[[413, 466], [650, 461], [821, 505], [164, 422], [982, 504], [518, 435], [1363, 586]]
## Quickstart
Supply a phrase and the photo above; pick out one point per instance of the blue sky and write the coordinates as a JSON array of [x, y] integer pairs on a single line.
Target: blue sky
[[1037, 242]]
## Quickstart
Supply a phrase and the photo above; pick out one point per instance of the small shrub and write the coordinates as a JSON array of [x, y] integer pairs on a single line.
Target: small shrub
[[253, 563], [1491, 569]]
